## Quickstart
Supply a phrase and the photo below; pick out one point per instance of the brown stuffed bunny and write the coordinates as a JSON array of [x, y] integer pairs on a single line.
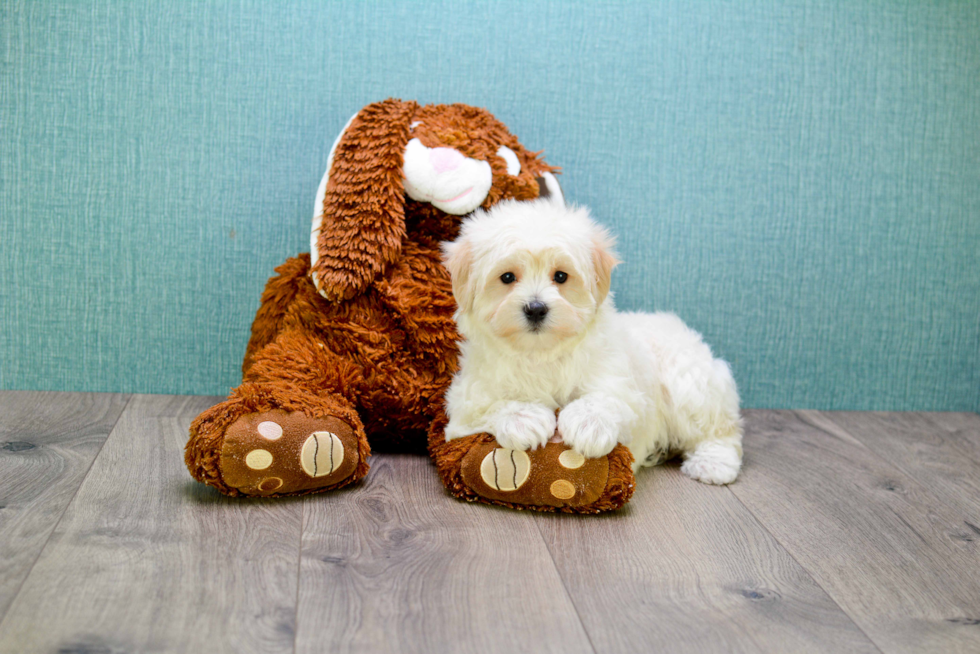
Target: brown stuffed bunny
[[354, 346]]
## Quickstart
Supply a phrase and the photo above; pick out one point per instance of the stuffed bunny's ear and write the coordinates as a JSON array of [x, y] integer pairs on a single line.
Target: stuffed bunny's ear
[[361, 223], [321, 193], [548, 187]]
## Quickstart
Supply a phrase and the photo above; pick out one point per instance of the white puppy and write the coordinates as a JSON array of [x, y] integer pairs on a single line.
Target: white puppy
[[541, 333]]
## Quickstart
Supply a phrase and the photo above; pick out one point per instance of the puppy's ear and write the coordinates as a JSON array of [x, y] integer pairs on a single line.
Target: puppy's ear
[[458, 259], [604, 259]]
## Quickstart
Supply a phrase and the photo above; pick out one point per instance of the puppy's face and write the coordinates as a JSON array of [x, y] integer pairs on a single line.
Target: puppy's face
[[531, 273], [535, 297]]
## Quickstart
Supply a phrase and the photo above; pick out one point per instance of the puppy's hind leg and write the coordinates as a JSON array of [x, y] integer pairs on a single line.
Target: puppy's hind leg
[[709, 425], [714, 461], [716, 457]]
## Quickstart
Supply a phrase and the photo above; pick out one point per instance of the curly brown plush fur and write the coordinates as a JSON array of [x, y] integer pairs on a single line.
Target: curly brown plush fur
[[376, 346], [359, 346]]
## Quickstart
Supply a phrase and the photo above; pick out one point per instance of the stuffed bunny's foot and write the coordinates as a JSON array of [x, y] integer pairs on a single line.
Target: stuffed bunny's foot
[[279, 453], [549, 478]]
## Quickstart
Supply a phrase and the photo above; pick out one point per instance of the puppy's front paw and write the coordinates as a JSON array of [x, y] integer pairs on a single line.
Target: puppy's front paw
[[713, 462], [523, 426], [589, 430]]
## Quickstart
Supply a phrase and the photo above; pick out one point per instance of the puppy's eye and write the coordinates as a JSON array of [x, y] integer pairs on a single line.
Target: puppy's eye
[[561, 277], [508, 278]]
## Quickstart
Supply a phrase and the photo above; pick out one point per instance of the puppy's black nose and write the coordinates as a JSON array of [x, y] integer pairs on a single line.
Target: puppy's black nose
[[535, 311]]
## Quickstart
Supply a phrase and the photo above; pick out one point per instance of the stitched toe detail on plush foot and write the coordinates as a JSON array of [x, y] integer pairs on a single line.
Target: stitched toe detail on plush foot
[[279, 453], [552, 476], [557, 478]]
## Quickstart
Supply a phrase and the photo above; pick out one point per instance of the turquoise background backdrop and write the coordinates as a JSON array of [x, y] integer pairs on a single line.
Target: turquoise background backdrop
[[798, 180]]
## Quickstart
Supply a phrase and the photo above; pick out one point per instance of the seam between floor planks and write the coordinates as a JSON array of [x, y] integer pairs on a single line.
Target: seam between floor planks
[[81, 480], [699, 596], [919, 448], [793, 556], [410, 569], [923, 497], [858, 466], [299, 571], [564, 585], [944, 421], [816, 581], [146, 445]]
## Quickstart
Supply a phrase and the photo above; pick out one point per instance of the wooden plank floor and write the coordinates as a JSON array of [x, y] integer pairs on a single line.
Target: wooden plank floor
[[847, 532], [47, 444]]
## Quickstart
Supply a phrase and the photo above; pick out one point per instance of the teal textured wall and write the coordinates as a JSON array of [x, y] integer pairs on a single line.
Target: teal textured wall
[[798, 180]]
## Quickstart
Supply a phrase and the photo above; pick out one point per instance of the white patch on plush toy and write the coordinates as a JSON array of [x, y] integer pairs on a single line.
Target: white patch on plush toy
[[321, 191], [513, 165], [563, 489], [505, 469], [550, 188], [269, 430], [322, 453], [445, 178], [258, 459], [571, 459]]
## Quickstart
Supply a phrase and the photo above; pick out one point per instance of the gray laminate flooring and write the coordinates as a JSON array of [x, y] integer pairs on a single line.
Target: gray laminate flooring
[[847, 532]]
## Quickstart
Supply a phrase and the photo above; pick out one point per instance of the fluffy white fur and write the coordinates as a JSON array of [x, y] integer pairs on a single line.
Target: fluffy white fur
[[645, 380]]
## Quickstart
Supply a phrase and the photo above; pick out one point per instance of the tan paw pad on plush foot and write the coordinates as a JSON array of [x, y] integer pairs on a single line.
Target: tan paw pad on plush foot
[[275, 452], [550, 476]]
